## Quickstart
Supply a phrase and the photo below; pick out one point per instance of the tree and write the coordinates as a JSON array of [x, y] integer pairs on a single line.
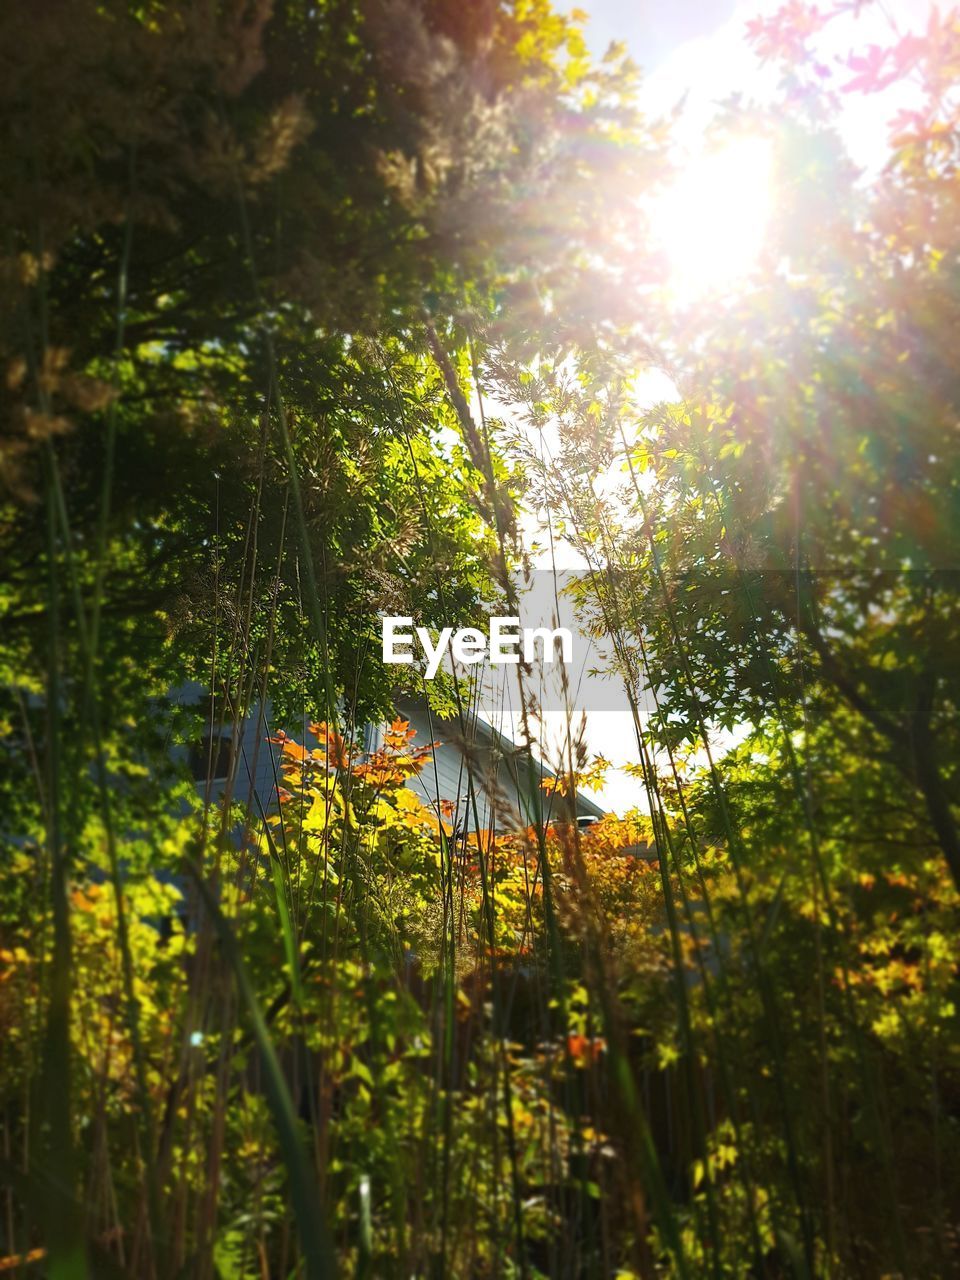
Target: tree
[[796, 510], [245, 250]]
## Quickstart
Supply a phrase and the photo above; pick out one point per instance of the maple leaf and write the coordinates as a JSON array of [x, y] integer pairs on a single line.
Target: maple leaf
[[399, 735], [870, 77]]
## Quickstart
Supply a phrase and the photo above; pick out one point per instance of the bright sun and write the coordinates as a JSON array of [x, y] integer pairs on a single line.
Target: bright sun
[[710, 223]]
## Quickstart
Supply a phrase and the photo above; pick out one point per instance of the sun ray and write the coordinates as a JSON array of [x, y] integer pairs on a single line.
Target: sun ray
[[710, 223]]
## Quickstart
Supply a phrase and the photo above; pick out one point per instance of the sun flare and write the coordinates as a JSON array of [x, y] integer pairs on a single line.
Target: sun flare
[[710, 223]]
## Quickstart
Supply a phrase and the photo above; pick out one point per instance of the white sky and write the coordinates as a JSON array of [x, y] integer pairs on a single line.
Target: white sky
[[697, 49]]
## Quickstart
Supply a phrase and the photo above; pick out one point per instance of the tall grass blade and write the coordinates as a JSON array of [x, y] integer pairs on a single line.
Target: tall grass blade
[[318, 1256]]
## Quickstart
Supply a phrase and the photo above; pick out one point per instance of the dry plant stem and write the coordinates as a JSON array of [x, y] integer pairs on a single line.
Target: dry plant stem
[[642, 1149]]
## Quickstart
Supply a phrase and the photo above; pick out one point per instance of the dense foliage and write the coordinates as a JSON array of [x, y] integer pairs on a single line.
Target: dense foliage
[[293, 296]]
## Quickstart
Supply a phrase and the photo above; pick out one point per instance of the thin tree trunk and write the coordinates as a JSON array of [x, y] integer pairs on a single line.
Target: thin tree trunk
[[930, 781]]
